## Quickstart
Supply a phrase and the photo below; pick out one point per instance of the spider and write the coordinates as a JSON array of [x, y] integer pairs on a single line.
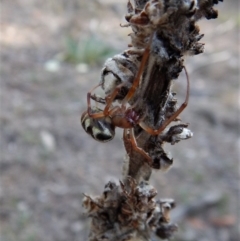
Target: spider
[[101, 124]]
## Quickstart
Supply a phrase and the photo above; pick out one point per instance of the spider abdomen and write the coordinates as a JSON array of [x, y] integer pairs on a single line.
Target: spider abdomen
[[101, 129]]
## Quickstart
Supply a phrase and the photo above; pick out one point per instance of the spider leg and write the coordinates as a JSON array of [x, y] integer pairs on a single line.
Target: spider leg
[[172, 118], [89, 110], [110, 98], [113, 111], [133, 144], [139, 73]]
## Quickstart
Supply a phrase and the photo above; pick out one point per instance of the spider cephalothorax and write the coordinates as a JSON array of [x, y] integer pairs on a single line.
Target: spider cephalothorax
[[103, 128]]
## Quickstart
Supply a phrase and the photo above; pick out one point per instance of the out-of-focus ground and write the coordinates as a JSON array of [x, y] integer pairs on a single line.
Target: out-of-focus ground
[[51, 55]]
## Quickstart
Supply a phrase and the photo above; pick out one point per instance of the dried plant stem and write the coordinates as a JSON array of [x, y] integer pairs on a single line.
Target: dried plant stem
[[168, 28]]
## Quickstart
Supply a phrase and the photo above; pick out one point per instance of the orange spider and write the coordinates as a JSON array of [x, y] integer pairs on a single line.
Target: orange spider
[[101, 124]]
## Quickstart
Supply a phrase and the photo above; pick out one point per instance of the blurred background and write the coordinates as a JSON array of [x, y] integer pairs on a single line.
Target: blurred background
[[51, 55]]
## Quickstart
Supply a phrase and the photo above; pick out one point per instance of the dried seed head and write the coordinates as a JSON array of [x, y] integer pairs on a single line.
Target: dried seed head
[[177, 133], [92, 205], [166, 231], [123, 211]]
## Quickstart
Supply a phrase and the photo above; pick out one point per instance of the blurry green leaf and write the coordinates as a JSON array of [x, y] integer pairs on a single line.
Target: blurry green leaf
[[89, 51]]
